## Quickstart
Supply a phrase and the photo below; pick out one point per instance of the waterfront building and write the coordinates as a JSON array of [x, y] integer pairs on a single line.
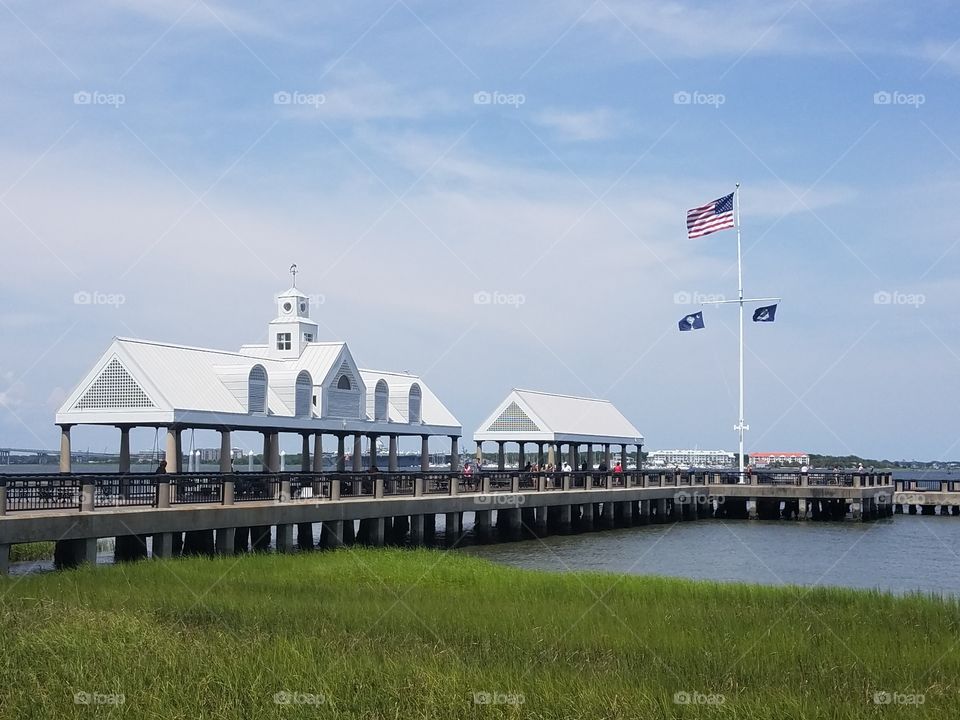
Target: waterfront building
[[769, 459], [692, 458], [292, 383]]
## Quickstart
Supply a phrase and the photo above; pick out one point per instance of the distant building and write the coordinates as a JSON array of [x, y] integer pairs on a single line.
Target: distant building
[[692, 458], [778, 459]]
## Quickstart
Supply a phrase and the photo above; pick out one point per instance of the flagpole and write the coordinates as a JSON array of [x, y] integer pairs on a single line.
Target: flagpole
[[740, 424]]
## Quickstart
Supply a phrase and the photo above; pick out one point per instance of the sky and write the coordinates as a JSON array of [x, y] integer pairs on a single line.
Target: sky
[[493, 195]]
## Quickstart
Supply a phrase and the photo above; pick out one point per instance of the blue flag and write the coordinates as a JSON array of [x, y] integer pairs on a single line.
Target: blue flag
[[693, 321], [765, 313]]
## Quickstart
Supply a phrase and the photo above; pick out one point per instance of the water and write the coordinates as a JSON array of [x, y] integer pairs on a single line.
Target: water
[[900, 555]]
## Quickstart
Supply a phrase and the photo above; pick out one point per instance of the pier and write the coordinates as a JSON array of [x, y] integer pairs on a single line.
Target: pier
[[228, 513]]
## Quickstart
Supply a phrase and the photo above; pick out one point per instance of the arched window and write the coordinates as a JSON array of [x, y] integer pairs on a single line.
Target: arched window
[[413, 407], [381, 399], [257, 390], [343, 383], [304, 395]]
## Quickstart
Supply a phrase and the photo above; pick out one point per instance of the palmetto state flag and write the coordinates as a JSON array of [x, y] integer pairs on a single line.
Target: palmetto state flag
[[693, 321], [709, 218], [767, 313]]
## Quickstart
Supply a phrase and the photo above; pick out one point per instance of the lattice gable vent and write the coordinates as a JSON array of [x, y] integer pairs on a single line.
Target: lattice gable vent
[[513, 419], [114, 388]]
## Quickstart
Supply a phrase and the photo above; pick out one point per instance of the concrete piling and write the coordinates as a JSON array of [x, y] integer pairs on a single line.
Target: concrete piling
[[305, 536], [163, 545], [225, 541], [73, 553], [285, 538]]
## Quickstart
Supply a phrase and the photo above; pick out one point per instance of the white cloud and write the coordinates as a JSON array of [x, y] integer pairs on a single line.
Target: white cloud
[[586, 125]]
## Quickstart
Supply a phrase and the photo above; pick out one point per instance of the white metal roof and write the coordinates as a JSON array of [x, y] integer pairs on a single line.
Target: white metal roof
[[534, 416], [144, 382], [432, 411]]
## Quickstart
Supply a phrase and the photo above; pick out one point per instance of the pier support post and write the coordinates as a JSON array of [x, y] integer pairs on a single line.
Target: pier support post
[[331, 534], [285, 538], [305, 536], [4, 558], [416, 530], [586, 517], [73, 553], [661, 504], [540, 521], [163, 545], [607, 518], [453, 527], [481, 524], [643, 515], [226, 539]]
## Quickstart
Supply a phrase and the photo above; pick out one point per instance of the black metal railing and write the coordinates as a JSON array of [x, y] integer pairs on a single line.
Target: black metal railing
[[250, 487], [192, 490], [46, 493], [125, 491]]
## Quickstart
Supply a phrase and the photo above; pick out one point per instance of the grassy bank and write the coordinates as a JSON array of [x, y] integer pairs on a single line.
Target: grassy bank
[[399, 634]]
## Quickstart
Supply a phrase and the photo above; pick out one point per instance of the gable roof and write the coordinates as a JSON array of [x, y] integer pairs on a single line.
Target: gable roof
[[535, 416]]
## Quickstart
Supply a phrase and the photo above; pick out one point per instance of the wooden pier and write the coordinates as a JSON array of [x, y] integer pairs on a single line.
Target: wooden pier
[[237, 512]]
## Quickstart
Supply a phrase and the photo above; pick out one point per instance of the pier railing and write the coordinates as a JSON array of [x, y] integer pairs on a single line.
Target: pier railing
[[87, 492]]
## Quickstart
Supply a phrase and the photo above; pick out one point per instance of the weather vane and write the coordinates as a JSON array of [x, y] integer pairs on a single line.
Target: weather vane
[[293, 271]]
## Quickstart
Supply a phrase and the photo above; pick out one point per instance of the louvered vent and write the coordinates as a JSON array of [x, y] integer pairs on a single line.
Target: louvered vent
[[114, 388], [414, 404], [257, 390], [513, 419]]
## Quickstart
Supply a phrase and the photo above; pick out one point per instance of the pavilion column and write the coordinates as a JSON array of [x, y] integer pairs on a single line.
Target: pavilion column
[[124, 448], [607, 457], [553, 452], [479, 454], [393, 465], [341, 452], [373, 452], [318, 452], [454, 453], [589, 457], [271, 452], [358, 453], [179, 457], [639, 458], [226, 452], [173, 447], [540, 455], [65, 459], [573, 450], [501, 455], [424, 453], [305, 452], [521, 455], [623, 457]]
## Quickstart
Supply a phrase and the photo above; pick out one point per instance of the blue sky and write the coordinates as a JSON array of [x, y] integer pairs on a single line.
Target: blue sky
[[429, 153]]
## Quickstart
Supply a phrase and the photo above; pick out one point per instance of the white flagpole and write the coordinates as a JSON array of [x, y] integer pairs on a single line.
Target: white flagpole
[[740, 424]]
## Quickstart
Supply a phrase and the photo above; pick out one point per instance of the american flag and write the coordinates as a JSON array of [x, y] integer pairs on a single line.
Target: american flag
[[706, 219]]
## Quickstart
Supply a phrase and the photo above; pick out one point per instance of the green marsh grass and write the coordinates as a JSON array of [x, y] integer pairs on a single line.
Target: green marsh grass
[[424, 634]]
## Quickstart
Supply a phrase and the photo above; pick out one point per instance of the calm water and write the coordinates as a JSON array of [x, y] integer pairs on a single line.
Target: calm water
[[901, 554]]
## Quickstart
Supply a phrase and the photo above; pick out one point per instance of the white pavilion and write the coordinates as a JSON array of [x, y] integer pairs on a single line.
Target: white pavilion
[[293, 383], [552, 421]]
